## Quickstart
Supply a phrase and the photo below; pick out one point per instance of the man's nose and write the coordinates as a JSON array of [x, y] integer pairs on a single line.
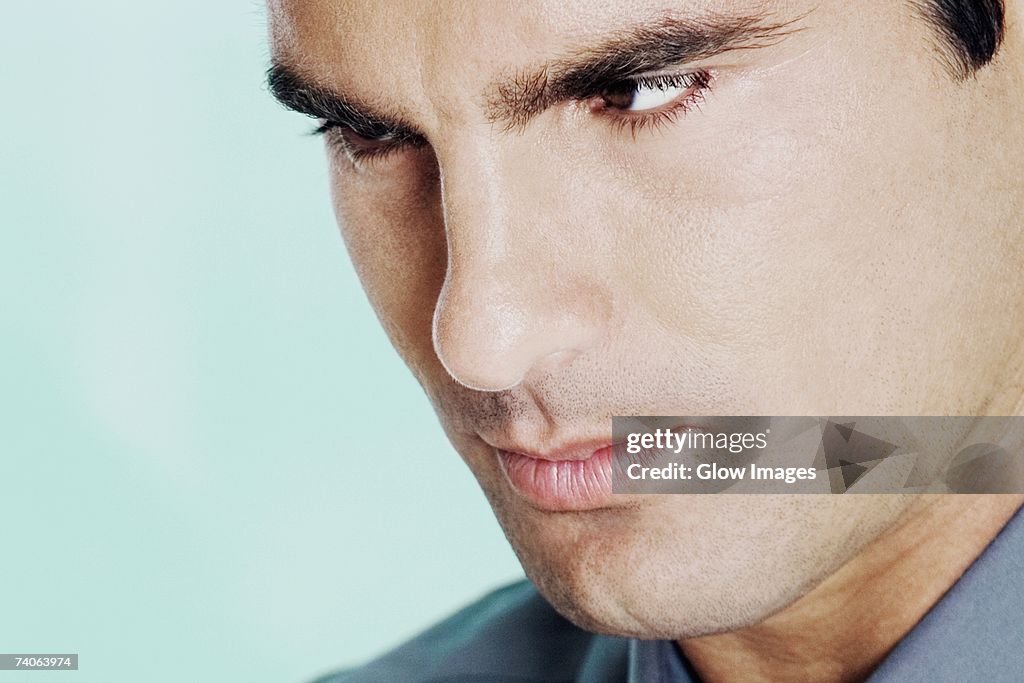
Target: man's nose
[[522, 292]]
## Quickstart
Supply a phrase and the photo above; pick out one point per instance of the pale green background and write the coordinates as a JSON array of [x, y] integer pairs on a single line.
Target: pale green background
[[213, 466]]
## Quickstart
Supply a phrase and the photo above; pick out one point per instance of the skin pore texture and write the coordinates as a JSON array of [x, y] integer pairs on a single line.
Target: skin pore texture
[[830, 224]]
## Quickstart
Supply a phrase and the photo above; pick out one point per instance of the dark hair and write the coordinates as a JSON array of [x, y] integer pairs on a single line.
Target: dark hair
[[971, 31]]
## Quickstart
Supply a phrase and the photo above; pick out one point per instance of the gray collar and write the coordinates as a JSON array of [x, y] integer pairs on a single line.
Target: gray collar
[[976, 631]]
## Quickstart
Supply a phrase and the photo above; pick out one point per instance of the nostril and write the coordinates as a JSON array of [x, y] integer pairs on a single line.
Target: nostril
[[490, 382]]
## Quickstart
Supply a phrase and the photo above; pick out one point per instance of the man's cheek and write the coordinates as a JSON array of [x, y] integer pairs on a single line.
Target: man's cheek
[[397, 247]]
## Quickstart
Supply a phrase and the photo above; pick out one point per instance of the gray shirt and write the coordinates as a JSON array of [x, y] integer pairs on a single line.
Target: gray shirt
[[974, 633]]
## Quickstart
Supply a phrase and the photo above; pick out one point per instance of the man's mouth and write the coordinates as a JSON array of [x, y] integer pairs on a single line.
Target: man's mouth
[[573, 479], [576, 477]]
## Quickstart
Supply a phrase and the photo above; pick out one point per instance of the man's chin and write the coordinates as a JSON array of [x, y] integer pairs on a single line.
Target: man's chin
[[610, 592], [600, 571], [680, 567]]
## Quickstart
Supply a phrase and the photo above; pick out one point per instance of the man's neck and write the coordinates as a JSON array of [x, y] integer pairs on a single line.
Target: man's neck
[[842, 629]]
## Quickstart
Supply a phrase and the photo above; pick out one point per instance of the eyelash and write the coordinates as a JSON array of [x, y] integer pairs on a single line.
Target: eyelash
[[337, 140], [697, 82]]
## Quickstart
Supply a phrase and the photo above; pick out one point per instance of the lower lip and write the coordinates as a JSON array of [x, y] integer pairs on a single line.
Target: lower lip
[[561, 485]]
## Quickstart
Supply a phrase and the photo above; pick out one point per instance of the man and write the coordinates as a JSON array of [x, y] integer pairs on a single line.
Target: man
[[563, 212]]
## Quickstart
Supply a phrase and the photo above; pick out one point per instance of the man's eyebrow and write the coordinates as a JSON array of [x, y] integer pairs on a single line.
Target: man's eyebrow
[[642, 48], [303, 95]]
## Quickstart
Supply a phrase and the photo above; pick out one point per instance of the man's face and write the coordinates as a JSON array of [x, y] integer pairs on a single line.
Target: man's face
[[791, 209]]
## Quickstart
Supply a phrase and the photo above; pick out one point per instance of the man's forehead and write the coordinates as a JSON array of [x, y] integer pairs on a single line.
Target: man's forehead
[[370, 33]]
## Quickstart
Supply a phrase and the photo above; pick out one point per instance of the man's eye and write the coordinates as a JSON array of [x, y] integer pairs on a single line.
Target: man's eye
[[653, 94], [360, 146]]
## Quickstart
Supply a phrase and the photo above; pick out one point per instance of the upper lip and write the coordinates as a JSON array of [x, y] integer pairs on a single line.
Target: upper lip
[[580, 449], [570, 450]]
